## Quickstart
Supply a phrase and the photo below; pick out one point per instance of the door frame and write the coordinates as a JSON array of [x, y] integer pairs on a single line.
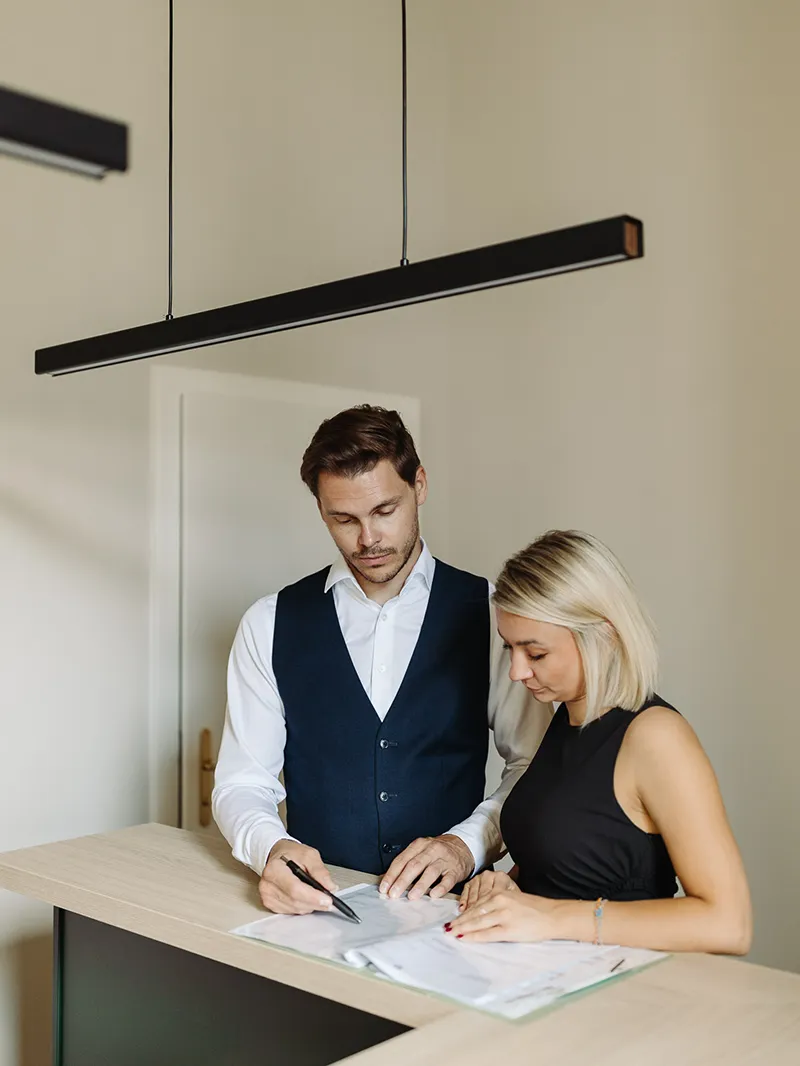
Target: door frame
[[169, 385]]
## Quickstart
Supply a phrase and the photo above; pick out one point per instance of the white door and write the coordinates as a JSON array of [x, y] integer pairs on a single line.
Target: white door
[[231, 522]]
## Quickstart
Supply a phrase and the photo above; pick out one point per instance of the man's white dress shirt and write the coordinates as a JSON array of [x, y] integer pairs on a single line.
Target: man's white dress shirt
[[381, 640]]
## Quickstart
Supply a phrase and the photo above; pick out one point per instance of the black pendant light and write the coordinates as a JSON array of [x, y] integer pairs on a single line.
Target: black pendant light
[[592, 244], [42, 132]]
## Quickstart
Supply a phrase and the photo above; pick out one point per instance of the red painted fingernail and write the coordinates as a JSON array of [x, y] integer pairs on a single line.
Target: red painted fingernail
[[447, 927], [459, 936]]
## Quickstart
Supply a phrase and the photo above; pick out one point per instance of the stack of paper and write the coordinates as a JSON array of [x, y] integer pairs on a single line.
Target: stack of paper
[[404, 941], [332, 936]]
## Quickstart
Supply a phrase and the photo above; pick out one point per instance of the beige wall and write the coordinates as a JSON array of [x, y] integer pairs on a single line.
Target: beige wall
[[651, 403], [73, 474]]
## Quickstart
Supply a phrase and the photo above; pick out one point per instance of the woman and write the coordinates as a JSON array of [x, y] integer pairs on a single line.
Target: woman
[[620, 795]]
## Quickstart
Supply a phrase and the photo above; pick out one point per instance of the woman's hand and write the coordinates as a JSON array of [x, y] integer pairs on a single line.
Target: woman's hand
[[507, 915], [483, 886]]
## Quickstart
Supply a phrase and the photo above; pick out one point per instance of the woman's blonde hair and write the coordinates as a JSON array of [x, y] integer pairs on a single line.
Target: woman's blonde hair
[[572, 579]]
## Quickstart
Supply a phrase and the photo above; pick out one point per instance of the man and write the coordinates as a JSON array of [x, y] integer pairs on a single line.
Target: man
[[370, 685]]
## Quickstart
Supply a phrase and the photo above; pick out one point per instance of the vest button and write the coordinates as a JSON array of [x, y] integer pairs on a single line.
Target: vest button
[[383, 797], [388, 848], [384, 744]]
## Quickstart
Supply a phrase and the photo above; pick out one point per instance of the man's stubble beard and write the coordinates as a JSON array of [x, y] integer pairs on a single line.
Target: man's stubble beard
[[404, 555]]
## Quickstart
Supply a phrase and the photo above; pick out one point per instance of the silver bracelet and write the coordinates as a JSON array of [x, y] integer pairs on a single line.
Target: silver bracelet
[[598, 920]]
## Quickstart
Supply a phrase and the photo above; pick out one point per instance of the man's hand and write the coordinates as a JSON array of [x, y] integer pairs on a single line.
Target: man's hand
[[284, 893], [424, 862]]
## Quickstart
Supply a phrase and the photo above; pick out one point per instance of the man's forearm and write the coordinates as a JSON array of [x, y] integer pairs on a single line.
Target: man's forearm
[[481, 831], [248, 819], [481, 834]]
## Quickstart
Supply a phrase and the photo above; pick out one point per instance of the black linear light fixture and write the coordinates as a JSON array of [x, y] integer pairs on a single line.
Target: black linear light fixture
[[592, 244], [43, 132]]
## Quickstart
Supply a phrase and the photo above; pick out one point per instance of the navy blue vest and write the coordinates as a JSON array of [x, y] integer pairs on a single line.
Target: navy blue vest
[[358, 789]]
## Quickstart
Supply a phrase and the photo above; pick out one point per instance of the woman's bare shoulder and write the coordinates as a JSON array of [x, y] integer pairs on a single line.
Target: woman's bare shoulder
[[658, 730]]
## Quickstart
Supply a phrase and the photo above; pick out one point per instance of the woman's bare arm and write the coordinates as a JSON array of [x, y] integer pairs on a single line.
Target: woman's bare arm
[[678, 789]]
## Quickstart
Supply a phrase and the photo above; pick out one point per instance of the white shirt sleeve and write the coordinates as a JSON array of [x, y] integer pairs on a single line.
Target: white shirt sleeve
[[518, 722], [247, 788]]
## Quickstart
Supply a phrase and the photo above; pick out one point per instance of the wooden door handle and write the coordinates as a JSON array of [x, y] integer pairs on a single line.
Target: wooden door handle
[[207, 768]]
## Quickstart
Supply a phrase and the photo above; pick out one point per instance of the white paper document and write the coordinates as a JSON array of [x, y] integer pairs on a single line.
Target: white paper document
[[332, 936], [403, 940]]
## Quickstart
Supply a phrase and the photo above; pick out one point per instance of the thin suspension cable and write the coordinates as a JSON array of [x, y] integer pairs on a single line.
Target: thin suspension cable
[[169, 314], [404, 260]]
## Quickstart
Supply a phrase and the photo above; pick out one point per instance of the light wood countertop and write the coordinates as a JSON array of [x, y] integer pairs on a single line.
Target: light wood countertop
[[186, 890]]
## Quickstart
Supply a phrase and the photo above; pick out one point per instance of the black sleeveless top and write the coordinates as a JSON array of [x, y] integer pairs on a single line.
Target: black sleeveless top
[[566, 831]]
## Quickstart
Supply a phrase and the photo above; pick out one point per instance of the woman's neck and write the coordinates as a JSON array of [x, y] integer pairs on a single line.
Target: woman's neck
[[576, 709]]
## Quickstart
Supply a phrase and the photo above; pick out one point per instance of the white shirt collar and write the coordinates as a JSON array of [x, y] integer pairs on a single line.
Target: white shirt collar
[[422, 572]]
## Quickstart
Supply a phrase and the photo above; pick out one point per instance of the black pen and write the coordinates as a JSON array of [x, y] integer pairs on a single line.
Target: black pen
[[307, 879]]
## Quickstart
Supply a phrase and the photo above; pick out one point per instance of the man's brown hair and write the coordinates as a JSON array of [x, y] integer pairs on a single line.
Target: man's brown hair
[[355, 441]]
